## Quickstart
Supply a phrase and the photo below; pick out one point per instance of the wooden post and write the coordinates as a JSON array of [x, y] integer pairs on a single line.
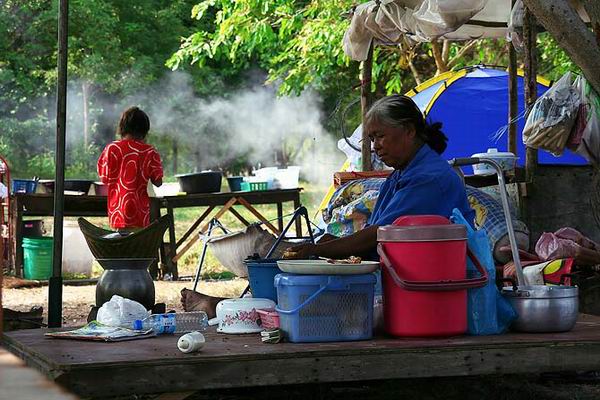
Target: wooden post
[[513, 98], [530, 78], [55, 282], [365, 103]]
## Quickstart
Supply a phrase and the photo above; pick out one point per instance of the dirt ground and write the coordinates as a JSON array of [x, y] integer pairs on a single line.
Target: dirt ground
[[77, 300]]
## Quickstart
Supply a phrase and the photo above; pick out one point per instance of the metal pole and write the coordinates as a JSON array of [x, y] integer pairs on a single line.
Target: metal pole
[[365, 103], [513, 98], [55, 284]]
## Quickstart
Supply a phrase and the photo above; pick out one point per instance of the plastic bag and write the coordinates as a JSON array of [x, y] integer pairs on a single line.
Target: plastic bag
[[488, 312], [585, 136], [552, 117], [120, 311], [577, 237], [514, 32], [354, 156], [551, 247]]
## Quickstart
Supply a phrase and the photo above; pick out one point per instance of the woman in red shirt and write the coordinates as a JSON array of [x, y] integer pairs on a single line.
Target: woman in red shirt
[[125, 166]]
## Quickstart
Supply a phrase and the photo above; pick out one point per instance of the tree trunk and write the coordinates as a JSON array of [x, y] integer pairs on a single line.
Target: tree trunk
[[365, 104], [85, 92], [530, 83], [571, 33], [592, 7], [438, 57]]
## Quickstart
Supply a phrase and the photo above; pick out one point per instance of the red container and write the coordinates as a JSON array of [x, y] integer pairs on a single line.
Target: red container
[[424, 276]]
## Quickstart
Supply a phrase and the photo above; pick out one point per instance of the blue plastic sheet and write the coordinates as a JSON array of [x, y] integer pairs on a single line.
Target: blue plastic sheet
[[488, 312]]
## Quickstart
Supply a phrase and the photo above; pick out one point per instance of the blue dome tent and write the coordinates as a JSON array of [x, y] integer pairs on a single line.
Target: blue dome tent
[[472, 104]]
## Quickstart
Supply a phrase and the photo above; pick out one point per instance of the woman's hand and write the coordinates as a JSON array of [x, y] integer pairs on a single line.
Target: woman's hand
[[302, 251]]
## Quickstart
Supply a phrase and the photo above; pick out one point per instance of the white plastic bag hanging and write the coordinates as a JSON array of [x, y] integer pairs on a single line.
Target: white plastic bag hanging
[[585, 137], [120, 311], [551, 119]]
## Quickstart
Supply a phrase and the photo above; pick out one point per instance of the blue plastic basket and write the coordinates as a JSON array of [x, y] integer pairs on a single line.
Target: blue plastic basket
[[325, 308], [23, 185], [261, 274]]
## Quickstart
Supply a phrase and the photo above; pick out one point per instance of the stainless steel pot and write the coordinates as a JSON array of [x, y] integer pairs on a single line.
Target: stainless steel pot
[[543, 308]]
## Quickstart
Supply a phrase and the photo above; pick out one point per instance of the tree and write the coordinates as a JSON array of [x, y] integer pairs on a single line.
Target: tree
[[562, 21]]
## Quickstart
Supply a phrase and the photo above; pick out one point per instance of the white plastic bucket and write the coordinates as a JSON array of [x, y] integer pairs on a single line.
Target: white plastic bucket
[[77, 257], [288, 178]]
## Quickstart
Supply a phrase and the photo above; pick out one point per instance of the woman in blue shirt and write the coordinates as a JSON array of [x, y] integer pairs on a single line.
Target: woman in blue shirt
[[423, 183]]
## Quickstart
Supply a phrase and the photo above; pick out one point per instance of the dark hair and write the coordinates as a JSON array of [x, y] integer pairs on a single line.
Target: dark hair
[[134, 122], [398, 110]]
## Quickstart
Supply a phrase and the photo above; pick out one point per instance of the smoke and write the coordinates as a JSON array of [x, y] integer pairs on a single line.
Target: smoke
[[254, 123]]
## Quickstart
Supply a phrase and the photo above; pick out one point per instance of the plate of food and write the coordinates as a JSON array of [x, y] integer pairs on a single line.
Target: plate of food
[[328, 266]]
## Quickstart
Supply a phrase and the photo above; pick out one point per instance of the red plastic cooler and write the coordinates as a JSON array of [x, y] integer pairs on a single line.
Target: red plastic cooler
[[424, 276]]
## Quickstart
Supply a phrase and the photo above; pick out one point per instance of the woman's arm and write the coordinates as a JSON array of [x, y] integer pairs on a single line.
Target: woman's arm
[[361, 242]]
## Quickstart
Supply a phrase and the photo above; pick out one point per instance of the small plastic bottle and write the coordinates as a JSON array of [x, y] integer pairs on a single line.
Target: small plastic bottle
[[173, 322]]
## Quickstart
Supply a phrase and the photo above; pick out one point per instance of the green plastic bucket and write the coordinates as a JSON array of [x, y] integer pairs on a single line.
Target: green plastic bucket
[[37, 257]]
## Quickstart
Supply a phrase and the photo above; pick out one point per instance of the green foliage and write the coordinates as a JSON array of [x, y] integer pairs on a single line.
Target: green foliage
[[81, 162], [553, 61], [299, 43]]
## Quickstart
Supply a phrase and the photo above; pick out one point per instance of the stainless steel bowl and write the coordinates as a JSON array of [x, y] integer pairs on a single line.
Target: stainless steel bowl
[[544, 308]]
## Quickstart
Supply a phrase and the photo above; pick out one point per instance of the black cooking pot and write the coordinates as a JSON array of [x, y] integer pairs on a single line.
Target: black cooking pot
[[33, 228], [200, 182], [127, 277], [76, 185]]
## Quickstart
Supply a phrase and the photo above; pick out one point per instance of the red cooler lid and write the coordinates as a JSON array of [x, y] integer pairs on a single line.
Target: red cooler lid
[[421, 228]]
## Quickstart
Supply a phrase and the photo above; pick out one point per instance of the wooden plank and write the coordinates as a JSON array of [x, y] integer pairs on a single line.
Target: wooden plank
[[203, 229], [258, 215], [155, 365], [280, 216], [239, 216], [196, 223], [220, 199], [20, 382]]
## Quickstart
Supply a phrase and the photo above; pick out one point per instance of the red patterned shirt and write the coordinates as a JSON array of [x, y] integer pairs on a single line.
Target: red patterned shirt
[[126, 166]]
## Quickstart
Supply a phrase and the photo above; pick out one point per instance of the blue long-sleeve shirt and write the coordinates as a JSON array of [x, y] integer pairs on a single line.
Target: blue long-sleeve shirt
[[427, 186]]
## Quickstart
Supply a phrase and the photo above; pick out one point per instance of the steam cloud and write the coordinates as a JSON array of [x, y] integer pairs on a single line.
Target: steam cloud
[[254, 123]]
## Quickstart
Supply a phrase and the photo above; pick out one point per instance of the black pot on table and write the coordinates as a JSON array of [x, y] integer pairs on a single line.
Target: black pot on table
[[128, 278], [200, 182], [75, 185]]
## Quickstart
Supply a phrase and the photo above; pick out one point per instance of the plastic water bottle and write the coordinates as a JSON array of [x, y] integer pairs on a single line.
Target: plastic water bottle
[[173, 322]]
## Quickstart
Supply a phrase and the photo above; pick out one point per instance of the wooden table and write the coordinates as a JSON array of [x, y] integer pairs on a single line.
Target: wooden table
[[42, 205], [155, 365], [225, 200]]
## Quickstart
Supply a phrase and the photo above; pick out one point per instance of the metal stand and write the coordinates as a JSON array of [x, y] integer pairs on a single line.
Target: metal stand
[[213, 223]]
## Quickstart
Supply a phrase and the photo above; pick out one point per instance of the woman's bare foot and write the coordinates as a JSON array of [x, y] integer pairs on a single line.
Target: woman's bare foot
[[194, 301]]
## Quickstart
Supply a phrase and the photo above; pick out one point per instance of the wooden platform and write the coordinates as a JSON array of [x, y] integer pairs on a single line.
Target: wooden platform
[[19, 382], [155, 365]]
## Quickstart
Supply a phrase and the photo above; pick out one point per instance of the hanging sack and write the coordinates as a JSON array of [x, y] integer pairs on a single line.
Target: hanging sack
[[552, 116]]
